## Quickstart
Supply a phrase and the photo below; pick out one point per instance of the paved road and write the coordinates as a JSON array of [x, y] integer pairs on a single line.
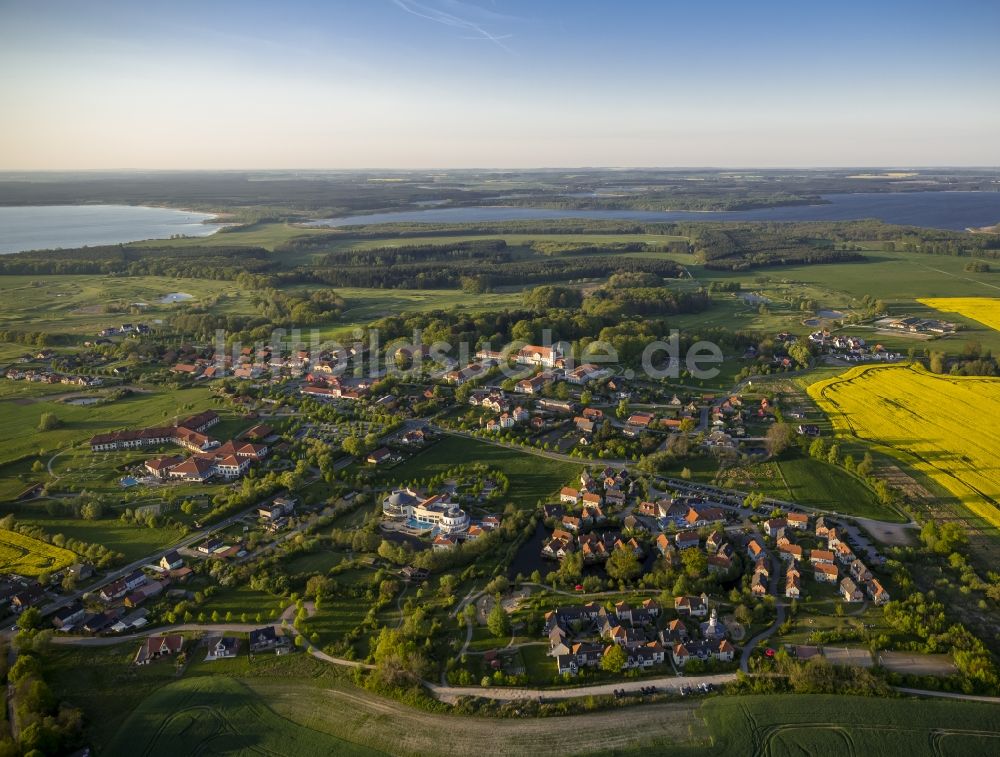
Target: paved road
[[672, 684], [947, 695], [537, 452], [152, 559], [766, 634]]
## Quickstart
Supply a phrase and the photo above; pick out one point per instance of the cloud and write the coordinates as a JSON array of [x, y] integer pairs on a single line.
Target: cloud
[[458, 17]]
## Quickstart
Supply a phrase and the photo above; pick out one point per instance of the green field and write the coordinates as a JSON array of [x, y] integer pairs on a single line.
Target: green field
[[780, 726], [532, 477], [219, 715], [818, 484], [132, 541], [266, 235], [19, 435]]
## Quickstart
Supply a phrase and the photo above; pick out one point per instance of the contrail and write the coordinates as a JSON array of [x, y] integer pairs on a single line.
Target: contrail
[[448, 19]]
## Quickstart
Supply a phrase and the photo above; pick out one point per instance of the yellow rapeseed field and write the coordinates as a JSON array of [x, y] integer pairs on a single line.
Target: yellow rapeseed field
[[945, 426], [986, 310], [28, 557]]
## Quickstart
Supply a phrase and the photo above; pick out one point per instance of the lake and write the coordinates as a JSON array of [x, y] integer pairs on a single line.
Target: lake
[[936, 210], [45, 227]]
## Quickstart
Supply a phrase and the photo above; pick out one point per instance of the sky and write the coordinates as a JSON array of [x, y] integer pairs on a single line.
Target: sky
[[345, 84]]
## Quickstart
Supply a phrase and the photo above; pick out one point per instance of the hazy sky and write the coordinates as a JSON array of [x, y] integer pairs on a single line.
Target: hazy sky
[[444, 83]]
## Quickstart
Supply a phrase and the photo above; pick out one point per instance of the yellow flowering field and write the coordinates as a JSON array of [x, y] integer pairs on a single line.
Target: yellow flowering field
[[945, 426], [28, 557], [986, 310]]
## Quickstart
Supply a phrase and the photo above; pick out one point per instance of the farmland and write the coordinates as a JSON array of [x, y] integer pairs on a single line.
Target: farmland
[[941, 425], [185, 717], [828, 725], [29, 557], [985, 310]]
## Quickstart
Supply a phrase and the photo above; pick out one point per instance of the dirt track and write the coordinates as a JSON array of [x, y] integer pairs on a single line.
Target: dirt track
[[399, 729]]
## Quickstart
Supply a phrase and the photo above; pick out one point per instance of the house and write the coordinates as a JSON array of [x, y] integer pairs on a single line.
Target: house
[[849, 590], [664, 546], [695, 607], [640, 420], [379, 456], [763, 565], [553, 511], [821, 556], [566, 664], [719, 649], [81, 570], [171, 561], [533, 385], [546, 357], [859, 572], [877, 592], [192, 469], [225, 647], [715, 540], [140, 595], [586, 372], [571, 523], [645, 656], [262, 639], [719, 563], [159, 467], [797, 520], [703, 516], [412, 573], [590, 498], [793, 588], [556, 406], [790, 552], [570, 495], [845, 556], [775, 527], [279, 507], [442, 542], [651, 606], [158, 646], [826, 573], [758, 585], [65, 617], [209, 546], [687, 539], [754, 549], [822, 529], [648, 509]]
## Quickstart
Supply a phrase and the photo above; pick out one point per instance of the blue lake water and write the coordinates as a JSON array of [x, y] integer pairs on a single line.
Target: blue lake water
[[44, 227], [936, 210]]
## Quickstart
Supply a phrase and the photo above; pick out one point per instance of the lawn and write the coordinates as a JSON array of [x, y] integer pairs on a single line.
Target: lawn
[[319, 561], [815, 483], [132, 541], [242, 599], [532, 477], [944, 426]]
